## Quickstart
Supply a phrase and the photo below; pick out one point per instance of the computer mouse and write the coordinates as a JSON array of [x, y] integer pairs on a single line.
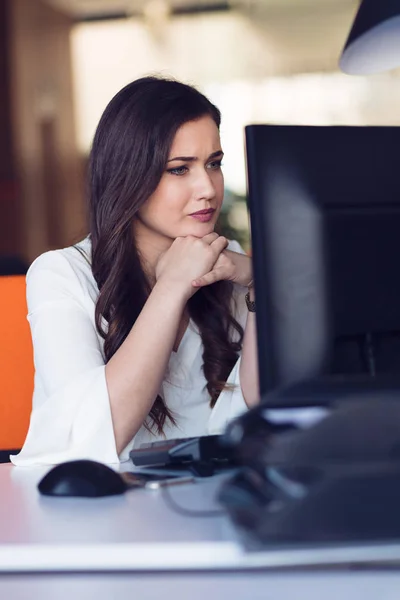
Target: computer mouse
[[85, 478]]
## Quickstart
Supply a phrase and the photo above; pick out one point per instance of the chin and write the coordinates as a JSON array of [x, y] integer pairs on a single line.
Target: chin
[[197, 228], [206, 227], [203, 229]]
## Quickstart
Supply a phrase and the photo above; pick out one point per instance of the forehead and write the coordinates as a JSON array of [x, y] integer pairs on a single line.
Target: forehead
[[194, 136]]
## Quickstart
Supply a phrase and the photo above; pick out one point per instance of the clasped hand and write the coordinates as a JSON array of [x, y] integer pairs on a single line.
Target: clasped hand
[[197, 262]]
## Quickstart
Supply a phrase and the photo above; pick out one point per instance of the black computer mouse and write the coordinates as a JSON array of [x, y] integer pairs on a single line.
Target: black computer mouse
[[86, 478]]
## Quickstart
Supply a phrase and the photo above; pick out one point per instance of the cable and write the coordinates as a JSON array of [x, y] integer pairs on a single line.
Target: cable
[[185, 511]]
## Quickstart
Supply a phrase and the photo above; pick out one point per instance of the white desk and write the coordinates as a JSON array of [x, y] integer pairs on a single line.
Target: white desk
[[136, 530], [113, 543], [204, 586]]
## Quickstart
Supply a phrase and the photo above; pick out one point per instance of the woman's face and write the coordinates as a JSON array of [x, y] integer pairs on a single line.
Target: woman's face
[[189, 196]]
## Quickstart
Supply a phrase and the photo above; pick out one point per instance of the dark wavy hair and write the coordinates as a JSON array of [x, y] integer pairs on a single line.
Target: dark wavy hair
[[128, 157]]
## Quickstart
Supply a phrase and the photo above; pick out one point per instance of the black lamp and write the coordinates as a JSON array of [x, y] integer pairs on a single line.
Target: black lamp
[[373, 44]]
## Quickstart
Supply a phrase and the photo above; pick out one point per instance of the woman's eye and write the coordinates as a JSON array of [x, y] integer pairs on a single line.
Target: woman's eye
[[178, 170], [215, 164]]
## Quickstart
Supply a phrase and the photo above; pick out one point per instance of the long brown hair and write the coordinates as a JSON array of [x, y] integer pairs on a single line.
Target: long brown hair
[[128, 157]]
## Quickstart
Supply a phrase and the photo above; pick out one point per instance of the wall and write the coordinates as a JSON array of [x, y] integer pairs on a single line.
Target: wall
[[265, 65], [46, 157], [9, 198]]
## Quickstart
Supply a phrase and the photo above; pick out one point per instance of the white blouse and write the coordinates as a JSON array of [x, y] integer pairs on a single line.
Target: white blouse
[[71, 415]]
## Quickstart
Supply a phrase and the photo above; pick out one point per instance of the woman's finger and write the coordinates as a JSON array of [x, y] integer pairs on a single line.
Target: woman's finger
[[211, 277], [220, 243], [210, 237]]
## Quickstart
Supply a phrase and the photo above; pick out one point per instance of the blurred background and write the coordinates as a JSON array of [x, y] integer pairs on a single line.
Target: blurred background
[[61, 61]]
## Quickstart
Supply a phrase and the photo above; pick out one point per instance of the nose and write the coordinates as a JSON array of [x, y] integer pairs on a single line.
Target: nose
[[204, 186]]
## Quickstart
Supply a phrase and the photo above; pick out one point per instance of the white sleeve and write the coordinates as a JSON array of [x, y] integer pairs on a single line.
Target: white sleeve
[[231, 402], [235, 247], [71, 416]]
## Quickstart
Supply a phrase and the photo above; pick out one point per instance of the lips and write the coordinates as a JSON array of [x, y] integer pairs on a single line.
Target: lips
[[206, 211], [203, 216]]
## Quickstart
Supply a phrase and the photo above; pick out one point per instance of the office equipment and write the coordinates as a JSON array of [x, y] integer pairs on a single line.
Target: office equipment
[[353, 504], [373, 42], [91, 479], [154, 481], [201, 454], [86, 478], [325, 217], [338, 480], [325, 214], [357, 431]]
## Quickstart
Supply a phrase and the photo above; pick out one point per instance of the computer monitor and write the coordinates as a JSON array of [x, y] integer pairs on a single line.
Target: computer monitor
[[325, 216], [325, 220]]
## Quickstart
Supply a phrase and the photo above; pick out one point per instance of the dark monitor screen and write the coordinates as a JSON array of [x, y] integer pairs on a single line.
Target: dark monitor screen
[[325, 220]]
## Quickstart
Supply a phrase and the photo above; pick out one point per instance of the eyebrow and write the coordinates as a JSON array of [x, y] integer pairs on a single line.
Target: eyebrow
[[216, 154]]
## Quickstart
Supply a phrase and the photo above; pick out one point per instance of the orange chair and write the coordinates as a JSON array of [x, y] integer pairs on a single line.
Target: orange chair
[[16, 364]]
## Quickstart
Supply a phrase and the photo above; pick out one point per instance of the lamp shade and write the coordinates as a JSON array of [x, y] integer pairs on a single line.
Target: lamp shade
[[373, 44]]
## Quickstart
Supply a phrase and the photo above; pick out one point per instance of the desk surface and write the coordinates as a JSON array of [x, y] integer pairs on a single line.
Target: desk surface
[[200, 586], [132, 531], [138, 532]]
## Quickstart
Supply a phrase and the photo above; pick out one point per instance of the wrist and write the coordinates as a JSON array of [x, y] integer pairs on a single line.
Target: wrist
[[170, 289]]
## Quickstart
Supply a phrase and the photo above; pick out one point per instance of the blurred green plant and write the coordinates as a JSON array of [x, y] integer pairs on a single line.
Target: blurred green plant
[[234, 221]]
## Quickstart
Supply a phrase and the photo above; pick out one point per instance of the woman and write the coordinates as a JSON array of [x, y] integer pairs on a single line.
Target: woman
[[138, 330]]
